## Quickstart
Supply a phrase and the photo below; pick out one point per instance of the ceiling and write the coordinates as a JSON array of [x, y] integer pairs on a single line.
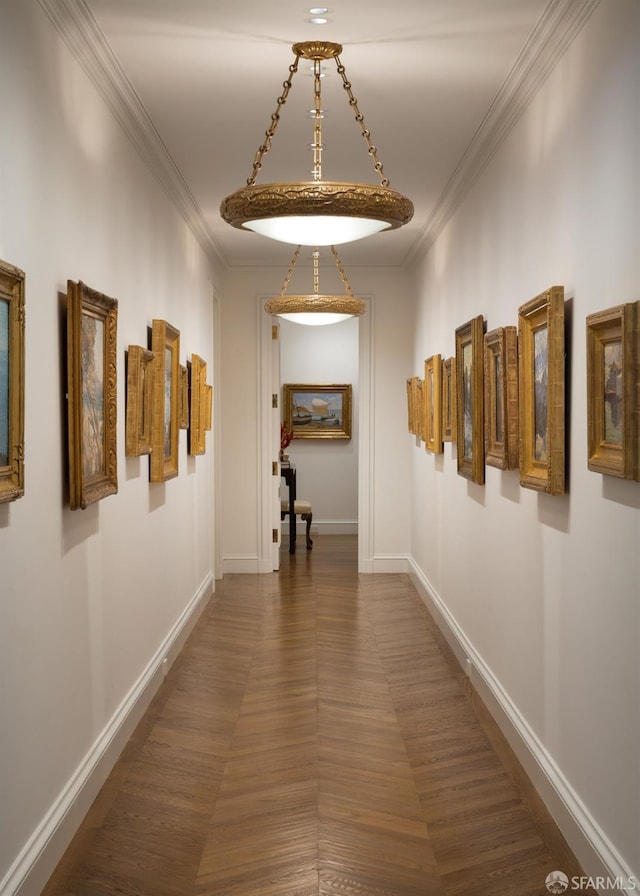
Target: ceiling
[[437, 81]]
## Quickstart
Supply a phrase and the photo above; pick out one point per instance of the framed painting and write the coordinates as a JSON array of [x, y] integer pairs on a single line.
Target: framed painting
[[501, 398], [318, 412], [433, 404], [92, 320], [11, 382], [449, 400], [198, 406], [613, 391], [541, 392], [139, 401], [470, 399], [183, 402], [165, 345]]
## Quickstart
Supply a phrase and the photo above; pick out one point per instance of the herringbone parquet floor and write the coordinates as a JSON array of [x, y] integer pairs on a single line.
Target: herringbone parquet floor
[[315, 738]]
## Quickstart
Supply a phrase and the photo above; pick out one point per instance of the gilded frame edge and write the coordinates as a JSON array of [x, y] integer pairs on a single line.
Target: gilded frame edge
[[12, 290], [545, 310], [501, 452], [139, 401], [183, 397], [86, 489], [163, 465], [197, 405], [433, 440], [449, 427], [472, 334], [308, 431], [621, 322]]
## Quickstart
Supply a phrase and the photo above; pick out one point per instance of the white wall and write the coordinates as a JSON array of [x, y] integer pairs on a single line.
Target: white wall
[[327, 469], [544, 592], [90, 599], [383, 449]]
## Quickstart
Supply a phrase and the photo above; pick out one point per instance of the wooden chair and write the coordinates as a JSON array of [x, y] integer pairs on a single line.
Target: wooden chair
[[304, 511]]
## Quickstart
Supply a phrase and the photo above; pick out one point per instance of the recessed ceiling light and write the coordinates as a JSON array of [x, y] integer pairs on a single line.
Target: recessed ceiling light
[[317, 20], [319, 10]]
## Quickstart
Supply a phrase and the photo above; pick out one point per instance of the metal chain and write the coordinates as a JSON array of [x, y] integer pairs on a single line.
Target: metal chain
[[353, 102], [343, 276], [316, 272], [275, 118], [289, 274]]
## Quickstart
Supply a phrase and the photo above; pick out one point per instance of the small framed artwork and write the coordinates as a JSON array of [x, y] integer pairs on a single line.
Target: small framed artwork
[[433, 404], [449, 400], [92, 320], [139, 401], [470, 399], [318, 412], [613, 391], [208, 407], [165, 345], [541, 392], [414, 405], [501, 398], [11, 382], [198, 409], [183, 401]]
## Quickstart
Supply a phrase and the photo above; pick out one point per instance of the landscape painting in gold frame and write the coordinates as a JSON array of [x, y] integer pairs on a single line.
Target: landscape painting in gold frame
[[139, 401], [183, 401], [198, 410], [542, 392], [433, 404], [92, 320], [449, 400], [12, 311], [613, 391], [165, 345], [318, 411], [501, 398], [470, 399]]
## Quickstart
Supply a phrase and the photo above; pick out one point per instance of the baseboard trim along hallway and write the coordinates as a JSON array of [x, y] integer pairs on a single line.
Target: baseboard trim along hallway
[[315, 737]]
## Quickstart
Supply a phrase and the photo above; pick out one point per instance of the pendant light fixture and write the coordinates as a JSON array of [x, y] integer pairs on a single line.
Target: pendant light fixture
[[316, 309], [317, 212]]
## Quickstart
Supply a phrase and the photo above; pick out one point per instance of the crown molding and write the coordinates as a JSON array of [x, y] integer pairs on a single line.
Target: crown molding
[[79, 29], [558, 26]]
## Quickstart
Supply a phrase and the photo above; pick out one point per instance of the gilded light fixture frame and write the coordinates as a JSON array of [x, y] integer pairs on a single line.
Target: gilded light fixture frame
[[541, 387], [12, 293], [92, 320], [316, 198], [316, 303]]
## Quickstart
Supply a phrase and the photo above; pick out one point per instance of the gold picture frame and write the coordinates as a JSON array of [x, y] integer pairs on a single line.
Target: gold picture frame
[[198, 406], [92, 322], [139, 401], [183, 400], [12, 373], [433, 404], [613, 391], [318, 411], [541, 363], [470, 399], [449, 400], [501, 398], [165, 345]]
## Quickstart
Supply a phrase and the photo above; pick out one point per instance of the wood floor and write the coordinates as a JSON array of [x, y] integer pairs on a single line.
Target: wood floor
[[315, 738]]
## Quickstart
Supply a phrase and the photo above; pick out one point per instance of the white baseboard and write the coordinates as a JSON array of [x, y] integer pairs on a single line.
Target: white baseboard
[[589, 843], [42, 852]]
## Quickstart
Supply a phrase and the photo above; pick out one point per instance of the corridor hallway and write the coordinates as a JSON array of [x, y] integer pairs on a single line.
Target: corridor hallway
[[315, 738]]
